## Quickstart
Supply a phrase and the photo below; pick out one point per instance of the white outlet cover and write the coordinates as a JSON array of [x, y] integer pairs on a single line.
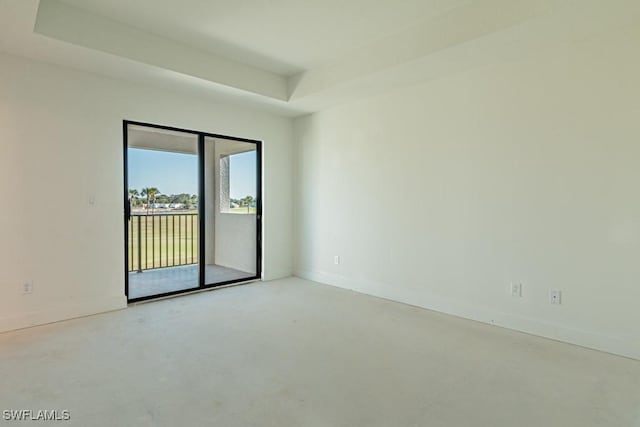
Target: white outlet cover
[[555, 296], [336, 259], [27, 288], [516, 289]]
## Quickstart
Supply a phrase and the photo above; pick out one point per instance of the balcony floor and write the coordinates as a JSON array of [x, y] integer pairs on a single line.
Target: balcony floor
[[169, 279]]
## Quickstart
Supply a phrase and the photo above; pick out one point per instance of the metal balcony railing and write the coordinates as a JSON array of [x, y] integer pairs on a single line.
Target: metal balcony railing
[[162, 240]]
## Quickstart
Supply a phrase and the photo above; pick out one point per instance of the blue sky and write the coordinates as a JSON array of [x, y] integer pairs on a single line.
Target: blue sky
[[175, 173], [243, 175]]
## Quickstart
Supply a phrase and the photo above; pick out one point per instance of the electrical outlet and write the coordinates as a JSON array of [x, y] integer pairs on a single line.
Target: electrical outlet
[[516, 289], [27, 287], [336, 259], [555, 296]]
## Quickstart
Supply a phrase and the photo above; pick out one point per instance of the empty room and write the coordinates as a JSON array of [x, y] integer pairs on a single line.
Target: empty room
[[320, 213]]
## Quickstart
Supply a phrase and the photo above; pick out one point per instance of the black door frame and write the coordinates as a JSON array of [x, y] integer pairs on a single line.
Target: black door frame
[[201, 213]]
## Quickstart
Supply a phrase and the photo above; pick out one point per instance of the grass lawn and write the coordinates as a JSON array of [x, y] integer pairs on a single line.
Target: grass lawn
[[243, 210], [166, 240]]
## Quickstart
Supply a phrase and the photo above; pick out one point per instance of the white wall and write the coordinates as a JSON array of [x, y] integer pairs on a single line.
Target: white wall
[[439, 195], [236, 241], [60, 144], [234, 234]]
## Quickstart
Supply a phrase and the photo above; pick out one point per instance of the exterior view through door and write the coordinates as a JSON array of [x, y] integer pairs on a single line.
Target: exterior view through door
[[192, 210]]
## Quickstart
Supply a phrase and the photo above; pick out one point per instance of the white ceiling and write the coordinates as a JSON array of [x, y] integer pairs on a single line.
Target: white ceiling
[[296, 56], [282, 36]]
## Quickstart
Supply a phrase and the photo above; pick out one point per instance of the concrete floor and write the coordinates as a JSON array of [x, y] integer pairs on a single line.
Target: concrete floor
[[293, 353], [161, 280]]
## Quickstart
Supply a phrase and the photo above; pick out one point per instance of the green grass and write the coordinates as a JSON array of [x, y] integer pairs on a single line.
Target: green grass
[[165, 241], [242, 210]]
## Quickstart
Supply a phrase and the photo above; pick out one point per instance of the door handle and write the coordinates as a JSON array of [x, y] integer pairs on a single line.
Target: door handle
[[127, 210]]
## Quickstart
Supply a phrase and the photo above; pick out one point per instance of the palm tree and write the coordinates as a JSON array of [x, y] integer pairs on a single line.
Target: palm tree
[[133, 196], [150, 193], [247, 201]]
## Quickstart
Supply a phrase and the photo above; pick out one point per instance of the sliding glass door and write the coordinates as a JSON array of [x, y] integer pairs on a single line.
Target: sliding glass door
[[192, 210], [231, 210]]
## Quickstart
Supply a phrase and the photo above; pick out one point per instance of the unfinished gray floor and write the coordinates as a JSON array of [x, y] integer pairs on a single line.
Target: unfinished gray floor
[[162, 280], [293, 353]]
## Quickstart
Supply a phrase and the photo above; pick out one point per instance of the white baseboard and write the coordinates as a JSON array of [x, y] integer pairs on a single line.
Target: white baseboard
[[622, 346], [61, 312], [276, 274]]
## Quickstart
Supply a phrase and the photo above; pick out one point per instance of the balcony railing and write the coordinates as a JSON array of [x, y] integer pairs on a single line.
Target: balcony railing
[[162, 240]]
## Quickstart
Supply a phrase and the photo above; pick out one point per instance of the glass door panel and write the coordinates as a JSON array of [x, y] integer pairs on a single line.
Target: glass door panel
[[231, 210], [163, 231]]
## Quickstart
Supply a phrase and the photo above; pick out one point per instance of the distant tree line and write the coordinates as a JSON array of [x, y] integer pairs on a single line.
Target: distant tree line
[[150, 196], [247, 201]]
